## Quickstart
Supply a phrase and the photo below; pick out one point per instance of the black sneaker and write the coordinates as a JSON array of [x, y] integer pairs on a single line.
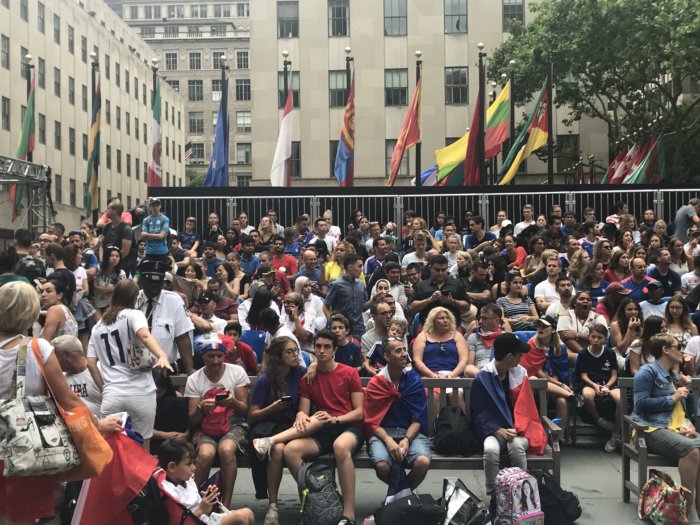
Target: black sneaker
[[346, 521]]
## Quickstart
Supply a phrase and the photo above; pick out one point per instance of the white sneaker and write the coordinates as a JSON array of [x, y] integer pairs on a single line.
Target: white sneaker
[[272, 516], [262, 447], [607, 425], [613, 443]]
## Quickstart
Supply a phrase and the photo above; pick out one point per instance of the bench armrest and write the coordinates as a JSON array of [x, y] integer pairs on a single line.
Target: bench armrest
[[631, 422], [554, 429]]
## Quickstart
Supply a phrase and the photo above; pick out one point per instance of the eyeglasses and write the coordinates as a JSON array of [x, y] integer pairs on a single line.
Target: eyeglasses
[[482, 318], [291, 351]]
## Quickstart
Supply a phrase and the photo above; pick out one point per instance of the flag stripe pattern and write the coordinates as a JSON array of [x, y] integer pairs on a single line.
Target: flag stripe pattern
[[188, 150], [408, 136], [217, 172], [283, 151], [92, 198], [498, 122], [24, 148], [472, 168], [344, 168], [155, 147]]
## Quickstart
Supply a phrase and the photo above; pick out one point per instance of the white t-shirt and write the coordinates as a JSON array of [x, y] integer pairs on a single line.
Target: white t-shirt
[[689, 281], [521, 226], [693, 348], [34, 385], [199, 384], [85, 388], [411, 258], [244, 308], [547, 290], [652, 309], [569, 321], [108, 343]]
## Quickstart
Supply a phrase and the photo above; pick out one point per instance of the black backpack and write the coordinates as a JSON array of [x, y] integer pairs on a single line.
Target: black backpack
[[452, 435], [560, 506], [411, 510], [321, 503]]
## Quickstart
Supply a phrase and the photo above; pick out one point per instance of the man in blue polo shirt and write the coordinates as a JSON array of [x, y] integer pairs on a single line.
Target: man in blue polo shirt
[[347, 295], [249, 261], [638, 281]]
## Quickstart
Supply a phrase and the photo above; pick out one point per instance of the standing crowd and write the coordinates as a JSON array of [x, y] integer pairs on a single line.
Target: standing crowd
[[306, 311]]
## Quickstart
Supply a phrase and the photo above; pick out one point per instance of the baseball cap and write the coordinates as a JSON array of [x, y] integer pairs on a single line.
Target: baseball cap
[[655, 283], [206, 297], [617, 288], [547, 320], [506, 222], [510, 343], [153, 200], [154, 270], [693, 231], [168, 277], [267, 270], [213, 342]]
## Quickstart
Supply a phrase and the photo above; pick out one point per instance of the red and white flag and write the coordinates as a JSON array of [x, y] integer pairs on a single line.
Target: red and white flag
[[279, 174]]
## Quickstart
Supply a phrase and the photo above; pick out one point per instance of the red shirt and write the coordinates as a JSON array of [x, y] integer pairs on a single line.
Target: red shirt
[[534, 360], [286, 265], [243, 353], [331, 391]]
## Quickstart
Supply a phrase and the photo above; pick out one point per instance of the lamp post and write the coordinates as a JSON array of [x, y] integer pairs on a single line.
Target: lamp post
[[511, 71], [286, 65], [154, 68], [494, 159], [94, 67], [348, 76], [481, 108], [419, 65], [28, 67], [550, 120]]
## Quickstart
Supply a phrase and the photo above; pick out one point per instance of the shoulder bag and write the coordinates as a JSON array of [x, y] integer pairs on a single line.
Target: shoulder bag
[[138, 356]]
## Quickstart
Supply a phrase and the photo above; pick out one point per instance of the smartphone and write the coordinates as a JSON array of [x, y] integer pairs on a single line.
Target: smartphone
[[220, 398], [444, 293], [286, 399]]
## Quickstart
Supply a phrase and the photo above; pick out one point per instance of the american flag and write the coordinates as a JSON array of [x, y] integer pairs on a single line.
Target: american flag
[[188, 150]]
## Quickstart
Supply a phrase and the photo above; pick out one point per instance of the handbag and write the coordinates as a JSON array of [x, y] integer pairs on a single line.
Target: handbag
[[35, 439], [461, 504], [661, 501], [138, 357]]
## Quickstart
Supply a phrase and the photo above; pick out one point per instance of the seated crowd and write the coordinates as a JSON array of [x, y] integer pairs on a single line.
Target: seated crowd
[[309, 310]]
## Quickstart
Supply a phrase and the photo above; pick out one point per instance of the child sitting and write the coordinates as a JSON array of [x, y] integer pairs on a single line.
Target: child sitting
[[598, 371], [348, 352], [176, 457]]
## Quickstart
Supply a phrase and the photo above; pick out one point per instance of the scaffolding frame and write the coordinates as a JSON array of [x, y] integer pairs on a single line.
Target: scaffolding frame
[[36, 181]]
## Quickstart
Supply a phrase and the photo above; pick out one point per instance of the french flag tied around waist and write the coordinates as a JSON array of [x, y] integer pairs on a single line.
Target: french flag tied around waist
[[493, 411]]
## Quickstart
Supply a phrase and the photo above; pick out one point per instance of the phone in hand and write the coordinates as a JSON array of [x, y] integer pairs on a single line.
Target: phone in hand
[[444, 293], [220, 398], [286, 399]]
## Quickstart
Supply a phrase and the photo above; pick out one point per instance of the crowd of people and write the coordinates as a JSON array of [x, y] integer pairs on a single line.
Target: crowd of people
[[307, 310]]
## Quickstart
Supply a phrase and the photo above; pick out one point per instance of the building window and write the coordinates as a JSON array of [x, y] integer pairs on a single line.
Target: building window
[[57, 33], [58, 188], [23, 10], [71, 141], [195, 90], [244, 121], [136, 128], [108, 112], [143, 93], [333, 147], [243, 181], [148, 32], [338, 17], [243, 9], [178, 120], [337, 86], [296, 159], [57, 135], [512, 10], [218, 30], [106, 66], [193, 31], [71, 190], [456, 86], [148, 12], [134, 12], [242, 89], [395, 18], [127, 119], [117, 73], [6, 113], [108, 156], [136, 88], [199, 11], [145, 133], [128, 202], [41, 18], [85, 97], [288, 19], [127, 82], [118, 113], [175, 84], [23, 62], [197, 151], [171, 61], [222, 10], [244, 153], [137, 168], [568, 151], [71, 91], [216, 89], [395, 87], [216, 59], [242, 60], [455, 16], [195, 60], [42, 128], [176, 11], [128, 165], [41, 73], [85, 146], [214, 118], [83, 49], [389, 151], [171, 31], [57, 82], [196, 119], [5, 56], [293, 77], [119, 161]]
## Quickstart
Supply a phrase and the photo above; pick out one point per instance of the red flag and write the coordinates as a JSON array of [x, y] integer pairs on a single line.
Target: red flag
[[104, 499], [408, 136], [472, 168]]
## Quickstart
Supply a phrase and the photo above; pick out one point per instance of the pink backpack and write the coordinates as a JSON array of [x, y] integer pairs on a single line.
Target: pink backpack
[[517, 498], [661, 501], [217, 422]]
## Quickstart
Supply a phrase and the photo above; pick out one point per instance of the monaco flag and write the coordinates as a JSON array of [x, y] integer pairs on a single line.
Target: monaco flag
[[279, 174]]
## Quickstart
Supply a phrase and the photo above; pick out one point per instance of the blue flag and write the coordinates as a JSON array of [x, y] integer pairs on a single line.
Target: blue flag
[[217, 173]]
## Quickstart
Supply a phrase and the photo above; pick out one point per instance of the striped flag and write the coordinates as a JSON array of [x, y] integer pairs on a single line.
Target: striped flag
[[498, 122], [650, 166], [344, 169], [188, 150], [409, 135], [24, 148], [279, 173], [472, 168], [155, 146], [92, 197]]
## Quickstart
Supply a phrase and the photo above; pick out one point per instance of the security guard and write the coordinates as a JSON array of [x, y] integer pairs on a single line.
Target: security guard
[[166, 314]]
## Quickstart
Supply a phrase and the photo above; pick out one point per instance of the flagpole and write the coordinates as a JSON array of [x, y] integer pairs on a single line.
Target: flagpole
[[348, 75], [419, 64], [481, 143], [224, 114], [511, 138], [286, 66], [94, 65], [550, 134], [28, 66], [494, 160]]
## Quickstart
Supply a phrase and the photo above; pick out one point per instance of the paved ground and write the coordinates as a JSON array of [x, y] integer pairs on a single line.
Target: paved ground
[[587, 471]]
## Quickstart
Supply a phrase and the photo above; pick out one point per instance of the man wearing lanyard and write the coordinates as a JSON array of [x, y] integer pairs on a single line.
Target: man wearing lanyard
[[166, 314]]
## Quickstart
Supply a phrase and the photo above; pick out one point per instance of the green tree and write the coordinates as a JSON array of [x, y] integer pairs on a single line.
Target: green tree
[[622, 61]]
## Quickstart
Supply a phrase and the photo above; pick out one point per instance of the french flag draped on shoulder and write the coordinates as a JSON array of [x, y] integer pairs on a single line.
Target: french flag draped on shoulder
[[489, 408], [344, 168]]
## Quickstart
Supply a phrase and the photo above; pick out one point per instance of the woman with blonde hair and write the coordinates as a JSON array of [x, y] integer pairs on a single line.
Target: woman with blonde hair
[[577, 266], [334, 268], [267, 230], [440, 350]]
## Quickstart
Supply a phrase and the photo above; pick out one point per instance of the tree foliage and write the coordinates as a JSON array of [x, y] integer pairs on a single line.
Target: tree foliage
[[622, 61]]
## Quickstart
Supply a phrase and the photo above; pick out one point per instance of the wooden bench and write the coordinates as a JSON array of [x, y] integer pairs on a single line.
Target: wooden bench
[[634, 447], [436, 389]]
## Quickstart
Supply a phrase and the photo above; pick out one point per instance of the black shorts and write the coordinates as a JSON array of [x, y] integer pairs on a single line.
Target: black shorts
[[325, 437]]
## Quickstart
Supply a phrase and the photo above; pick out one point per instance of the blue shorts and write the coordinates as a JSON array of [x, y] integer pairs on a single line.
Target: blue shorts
[[420, 446]]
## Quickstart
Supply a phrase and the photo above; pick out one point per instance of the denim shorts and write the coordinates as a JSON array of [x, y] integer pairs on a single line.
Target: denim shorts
[[420, 446]]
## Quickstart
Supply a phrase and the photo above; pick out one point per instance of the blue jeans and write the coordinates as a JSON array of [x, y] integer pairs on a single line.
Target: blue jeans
[[420, 446]]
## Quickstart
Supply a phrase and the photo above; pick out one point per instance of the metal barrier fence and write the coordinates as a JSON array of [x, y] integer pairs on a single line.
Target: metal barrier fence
[[384, 206]]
